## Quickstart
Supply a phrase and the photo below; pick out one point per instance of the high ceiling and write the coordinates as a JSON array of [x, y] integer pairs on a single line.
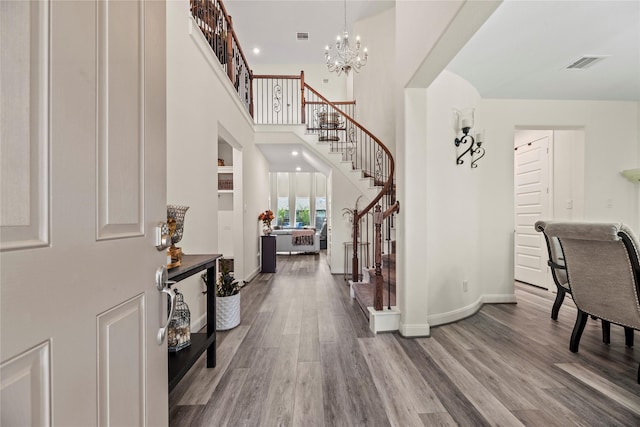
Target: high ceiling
[[521, 51], [271, 26]]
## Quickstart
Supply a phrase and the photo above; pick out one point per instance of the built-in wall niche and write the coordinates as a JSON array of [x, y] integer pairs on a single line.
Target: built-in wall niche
[[229, 198], [225, 154], [225, 175]]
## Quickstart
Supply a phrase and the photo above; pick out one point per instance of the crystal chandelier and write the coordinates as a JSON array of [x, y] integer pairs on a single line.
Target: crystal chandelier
[[345, 58]]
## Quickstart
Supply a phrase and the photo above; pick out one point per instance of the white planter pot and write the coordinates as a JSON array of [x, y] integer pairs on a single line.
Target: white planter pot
[[227, 312]]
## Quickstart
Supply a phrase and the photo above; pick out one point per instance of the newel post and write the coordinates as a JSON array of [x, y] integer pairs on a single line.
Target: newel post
[[354, 260], [377, 250], [302, 106], [230, 49]]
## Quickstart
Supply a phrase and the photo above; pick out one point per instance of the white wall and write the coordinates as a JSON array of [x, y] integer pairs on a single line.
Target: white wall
[[568, 175], [343, 195], [611, 143], [376, 109], [465, 229], [428, 35], [201, 106]]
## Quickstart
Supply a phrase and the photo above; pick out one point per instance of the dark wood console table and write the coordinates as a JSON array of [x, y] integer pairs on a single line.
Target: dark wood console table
[[181, 361]]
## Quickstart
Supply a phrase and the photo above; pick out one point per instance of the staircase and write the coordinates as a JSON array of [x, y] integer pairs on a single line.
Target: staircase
[[287, 100]]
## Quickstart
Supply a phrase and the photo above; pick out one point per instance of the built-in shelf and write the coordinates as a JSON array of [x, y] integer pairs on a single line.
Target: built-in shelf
[[632, 175], [225, 179]]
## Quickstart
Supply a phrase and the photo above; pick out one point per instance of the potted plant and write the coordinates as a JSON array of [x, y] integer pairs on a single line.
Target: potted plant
[[227, 299]]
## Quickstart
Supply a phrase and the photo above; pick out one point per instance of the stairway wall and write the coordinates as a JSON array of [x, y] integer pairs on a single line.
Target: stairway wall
[[202, 107]]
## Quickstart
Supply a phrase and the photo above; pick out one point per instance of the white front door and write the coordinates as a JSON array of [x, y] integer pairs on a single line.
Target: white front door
[[83, 152], [531, 164]]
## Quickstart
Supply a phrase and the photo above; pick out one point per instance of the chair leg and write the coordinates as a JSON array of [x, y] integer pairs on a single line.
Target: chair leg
[[557, 303], [578, 328], [638, 374], [606, 332], [628, 337]]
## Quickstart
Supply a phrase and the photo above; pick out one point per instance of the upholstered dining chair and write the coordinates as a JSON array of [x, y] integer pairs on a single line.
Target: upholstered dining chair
[[558, 269], [603, 270]]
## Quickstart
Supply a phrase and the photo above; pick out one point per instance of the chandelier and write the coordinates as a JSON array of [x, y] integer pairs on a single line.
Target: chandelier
[[345, 58]]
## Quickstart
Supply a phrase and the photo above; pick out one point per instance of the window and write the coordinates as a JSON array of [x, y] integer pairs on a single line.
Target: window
[[302, 211], [282, 197], [299, 199], [321, 212], [282, 216]]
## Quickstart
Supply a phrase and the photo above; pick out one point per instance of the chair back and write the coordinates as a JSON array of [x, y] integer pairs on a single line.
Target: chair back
[[555, 255], [603, 269]]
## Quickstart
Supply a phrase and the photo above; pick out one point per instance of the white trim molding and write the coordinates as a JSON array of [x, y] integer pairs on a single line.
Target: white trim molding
[[415, 330], [471, 309]]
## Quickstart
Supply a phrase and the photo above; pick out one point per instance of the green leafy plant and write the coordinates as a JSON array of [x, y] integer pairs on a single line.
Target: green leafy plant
[[303, 216], [227, 285], [283, 216]]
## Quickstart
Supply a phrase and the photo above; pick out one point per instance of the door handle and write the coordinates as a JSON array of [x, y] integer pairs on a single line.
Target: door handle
[[163, 285], [162, 238], [162, 333]]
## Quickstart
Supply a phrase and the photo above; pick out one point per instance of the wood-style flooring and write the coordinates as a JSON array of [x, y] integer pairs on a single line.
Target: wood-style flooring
[[303, 356]]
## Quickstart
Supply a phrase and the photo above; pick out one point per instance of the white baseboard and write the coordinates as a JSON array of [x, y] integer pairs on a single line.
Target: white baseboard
[[253, 274], [415, 330], [499, 299], [385, 320], [471, 309]]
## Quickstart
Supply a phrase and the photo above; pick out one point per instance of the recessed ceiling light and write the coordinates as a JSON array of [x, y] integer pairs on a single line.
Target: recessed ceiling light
[[298, 168], [294, 153], [256, 50]]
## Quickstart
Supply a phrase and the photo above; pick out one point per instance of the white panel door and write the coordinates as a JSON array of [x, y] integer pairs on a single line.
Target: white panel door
[[531, 163], [83, 151]]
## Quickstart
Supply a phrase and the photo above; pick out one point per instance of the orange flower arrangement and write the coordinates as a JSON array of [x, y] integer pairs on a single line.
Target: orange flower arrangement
[[266, 217]]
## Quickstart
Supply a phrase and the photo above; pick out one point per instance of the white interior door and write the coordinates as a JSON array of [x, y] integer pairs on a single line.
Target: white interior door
[[83, 151], [531, 164]]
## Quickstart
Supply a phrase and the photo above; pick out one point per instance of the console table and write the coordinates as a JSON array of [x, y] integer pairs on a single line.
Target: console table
[[181, 361]]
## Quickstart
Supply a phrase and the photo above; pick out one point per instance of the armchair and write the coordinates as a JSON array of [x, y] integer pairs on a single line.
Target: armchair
[[603, 270]]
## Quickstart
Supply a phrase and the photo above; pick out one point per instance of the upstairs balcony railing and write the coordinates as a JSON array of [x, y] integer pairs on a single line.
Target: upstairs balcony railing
[[217, 27], [288, 99]]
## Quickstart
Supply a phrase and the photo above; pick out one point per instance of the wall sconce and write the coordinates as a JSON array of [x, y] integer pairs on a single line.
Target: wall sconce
[[463, 121]]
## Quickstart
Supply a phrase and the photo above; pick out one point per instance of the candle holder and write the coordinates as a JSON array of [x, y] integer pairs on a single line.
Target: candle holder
[[464, 121], [175, 228]]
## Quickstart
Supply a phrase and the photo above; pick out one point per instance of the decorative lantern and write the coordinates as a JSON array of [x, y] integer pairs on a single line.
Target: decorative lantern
[[179, 329]]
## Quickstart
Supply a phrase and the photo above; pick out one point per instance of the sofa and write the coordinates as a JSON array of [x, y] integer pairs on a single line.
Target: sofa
[[286, 240]]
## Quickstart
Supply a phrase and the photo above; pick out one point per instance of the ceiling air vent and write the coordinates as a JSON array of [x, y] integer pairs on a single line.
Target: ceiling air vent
[[585, 62], [302, 36]]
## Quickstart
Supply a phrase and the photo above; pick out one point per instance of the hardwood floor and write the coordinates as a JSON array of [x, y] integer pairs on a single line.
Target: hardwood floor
[[303, 356]]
